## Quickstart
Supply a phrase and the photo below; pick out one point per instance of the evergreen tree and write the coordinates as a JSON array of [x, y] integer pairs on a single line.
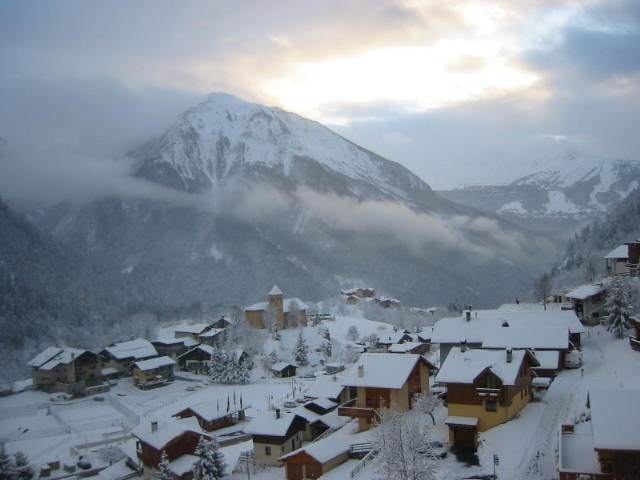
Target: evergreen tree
[[23, 469], [352, 333], [618, 305], [7, 466], [228, 369], [301, 352], [163, 468], [210, 464]]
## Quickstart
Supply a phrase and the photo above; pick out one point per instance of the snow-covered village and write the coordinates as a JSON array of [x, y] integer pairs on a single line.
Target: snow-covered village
[[320, 239]]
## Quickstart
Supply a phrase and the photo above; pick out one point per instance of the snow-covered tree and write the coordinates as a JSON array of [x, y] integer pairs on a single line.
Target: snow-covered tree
[[7, 464], [210, 464], [404, 444], [326, 348], [618, 305], [164, 473], [226, 368], [301, 350], [324, 332], [352, 333], [427, 404]]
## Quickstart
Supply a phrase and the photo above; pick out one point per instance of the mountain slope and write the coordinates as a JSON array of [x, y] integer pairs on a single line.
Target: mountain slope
[[575, 187]]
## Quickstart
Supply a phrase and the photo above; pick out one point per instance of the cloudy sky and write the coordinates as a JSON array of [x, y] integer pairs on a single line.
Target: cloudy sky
[[460, 92]]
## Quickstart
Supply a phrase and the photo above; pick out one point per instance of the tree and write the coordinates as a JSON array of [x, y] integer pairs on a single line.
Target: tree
[[301, 350], [226, 368], [210, 464], [352, 333], [427, 404], [404, 445], [326, 348], [7, 465], [164, 473], [618, 305], [270, 360], [543, 288]]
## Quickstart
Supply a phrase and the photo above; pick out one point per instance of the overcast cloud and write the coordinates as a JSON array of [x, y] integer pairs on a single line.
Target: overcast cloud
[[476, 92]]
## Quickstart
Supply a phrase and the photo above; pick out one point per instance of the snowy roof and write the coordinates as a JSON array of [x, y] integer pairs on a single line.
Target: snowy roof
[[467, 421], [183, 464], [391, 337], [108, 371], [323, 450], [287, 305], [63, 357], [381, 370], [577, 454], [204, 348], [153, 363], [167, 431], [332, 419], [138, 349], [211, 333], [404, 347], [280, 366], [325, 386], [267, 424], [615, 426], [425, 334], [212, 410], [549, 359], [458, 329], [196, 328], [275, 291], [526, 337], [116, 471], [619, 252], [44, 356], [465, 367], [322, 402], [585, 291]]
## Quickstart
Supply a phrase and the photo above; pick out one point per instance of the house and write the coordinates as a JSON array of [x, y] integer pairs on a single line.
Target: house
[[178, 439], [275, 434], [330, 386], [333, 368], [316, 424], [69, 370], [588, 302], [214, 337], [283, 370], [388, 302], [221, 323], [409, 347], [284, 311], [214, 415], [196, 359], [385, 340], [121, 355], [193, 331], [384, 380], [321, 405], [153, 372], [607, 446], [624, 260], [549, 363], [361, 292], [470, 328], [173, 347], [549, 339], [484, 388], [316, 459]]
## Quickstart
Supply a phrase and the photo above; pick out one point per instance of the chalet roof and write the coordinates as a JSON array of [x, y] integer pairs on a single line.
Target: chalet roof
[[213, 410], [196, 328], [322, 402], [275, 291], [280, 366], [404, 347], [183, 464], [203, 348], [323, 450], [214, 332], [426, 334], [267, 424], [462, 421], [465, 367], [585, 291], [186, 341], [153, 363], [137, 349], [381, 370], [458, 329], [325, 386], [167, 431], [527, 337], [388, 338], [576, 454], [614, 422], [287, 305], [44, 356], [621, 252], [549, 359], [332, 419], [64, 357]]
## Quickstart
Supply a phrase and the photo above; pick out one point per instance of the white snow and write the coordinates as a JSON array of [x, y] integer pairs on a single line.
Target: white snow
[[616, 424], [381, 370], [153, 363], [547, 338], [621, 252], [215, 252], [268, 424], [464, 367], [196, 328], [585, 291], [514, 207], [457, 420], [166, 431], [44, 356], [138, 349]]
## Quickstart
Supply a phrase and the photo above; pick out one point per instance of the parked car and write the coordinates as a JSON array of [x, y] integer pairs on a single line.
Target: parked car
[[290, 404], [573, 359]]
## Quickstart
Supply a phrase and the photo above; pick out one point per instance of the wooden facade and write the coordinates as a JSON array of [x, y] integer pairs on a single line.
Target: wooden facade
[[303, 466], [72, 376]]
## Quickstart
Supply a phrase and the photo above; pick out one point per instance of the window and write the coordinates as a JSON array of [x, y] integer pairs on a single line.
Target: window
[[267, 451], [491, 405]]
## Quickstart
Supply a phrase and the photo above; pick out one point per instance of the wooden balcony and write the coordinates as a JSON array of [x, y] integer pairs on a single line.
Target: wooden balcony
[[358, 412], [635, 343]]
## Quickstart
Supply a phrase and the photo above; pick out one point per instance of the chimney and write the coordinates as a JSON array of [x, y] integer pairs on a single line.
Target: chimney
[[360, 371], [277, 413], [509, 355], [467, 314], [463, 346], [154, 426]]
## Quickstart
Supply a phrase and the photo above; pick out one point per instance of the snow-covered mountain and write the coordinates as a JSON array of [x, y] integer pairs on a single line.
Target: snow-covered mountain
[[272, 197], [576, 186]]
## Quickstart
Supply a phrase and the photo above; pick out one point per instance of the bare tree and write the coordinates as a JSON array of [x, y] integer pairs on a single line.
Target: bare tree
[[543, 288]]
